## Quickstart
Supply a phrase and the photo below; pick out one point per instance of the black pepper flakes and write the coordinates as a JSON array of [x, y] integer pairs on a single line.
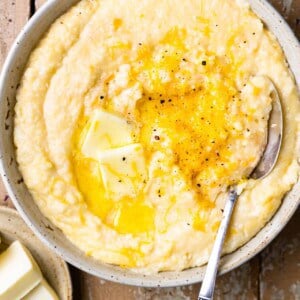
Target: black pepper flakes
[[203, 62], [162, 101], [19, 181], [101, 97], [124, 158], [157, 137], [159, 193]]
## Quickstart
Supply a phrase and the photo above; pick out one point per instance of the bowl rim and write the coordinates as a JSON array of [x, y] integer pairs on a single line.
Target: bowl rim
[[115, 275]]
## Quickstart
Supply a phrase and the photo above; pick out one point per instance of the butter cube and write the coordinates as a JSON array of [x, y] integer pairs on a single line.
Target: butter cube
[[42, 292], [104, 131], [19, 273], [123, 170]]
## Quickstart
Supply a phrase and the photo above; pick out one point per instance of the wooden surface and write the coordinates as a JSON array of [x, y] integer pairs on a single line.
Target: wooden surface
[[273, 274]]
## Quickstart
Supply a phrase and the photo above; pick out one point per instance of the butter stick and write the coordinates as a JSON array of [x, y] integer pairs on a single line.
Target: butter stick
[[42, 292], [19, 273]]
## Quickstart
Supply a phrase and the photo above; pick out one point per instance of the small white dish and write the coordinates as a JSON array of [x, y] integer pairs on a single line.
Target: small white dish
[[54, 269]]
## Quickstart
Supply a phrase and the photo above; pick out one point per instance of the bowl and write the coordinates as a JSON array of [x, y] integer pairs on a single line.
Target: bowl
[[54, 269], [52, 236]]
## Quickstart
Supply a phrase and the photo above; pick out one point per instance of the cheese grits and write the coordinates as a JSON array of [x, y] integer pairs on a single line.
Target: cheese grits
[[134, 117]]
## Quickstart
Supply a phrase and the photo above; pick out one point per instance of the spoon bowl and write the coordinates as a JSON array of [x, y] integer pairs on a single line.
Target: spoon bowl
[[274, 138]]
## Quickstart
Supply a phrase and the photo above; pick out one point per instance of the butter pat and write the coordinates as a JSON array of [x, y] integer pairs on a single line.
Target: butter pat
[[19, 273], [123, 170], [42, 292], [105, 131]]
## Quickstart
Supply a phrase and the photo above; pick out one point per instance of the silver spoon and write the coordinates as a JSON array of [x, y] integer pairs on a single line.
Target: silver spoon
[[263, 168]]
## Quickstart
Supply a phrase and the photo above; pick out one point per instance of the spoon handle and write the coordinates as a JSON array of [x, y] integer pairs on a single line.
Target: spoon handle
[[208, 284]]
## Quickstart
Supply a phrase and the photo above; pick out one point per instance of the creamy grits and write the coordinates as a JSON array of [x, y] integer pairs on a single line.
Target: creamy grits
[[134, 117]]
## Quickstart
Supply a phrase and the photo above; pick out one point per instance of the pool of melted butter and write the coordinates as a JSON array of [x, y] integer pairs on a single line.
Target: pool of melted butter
[[197, 106]]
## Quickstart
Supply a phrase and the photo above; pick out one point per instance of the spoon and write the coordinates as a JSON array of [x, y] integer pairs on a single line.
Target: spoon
[[263, 168]]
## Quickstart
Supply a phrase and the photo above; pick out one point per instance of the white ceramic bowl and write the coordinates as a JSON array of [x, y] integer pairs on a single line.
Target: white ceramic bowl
[[52, 236]]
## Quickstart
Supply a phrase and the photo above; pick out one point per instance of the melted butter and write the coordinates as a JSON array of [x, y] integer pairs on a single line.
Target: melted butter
[[125, 216], [117, 23], [194, 117], [201, 217], [159, 70], [132, 257], [196, 120], [91, 186], [134, 217]]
